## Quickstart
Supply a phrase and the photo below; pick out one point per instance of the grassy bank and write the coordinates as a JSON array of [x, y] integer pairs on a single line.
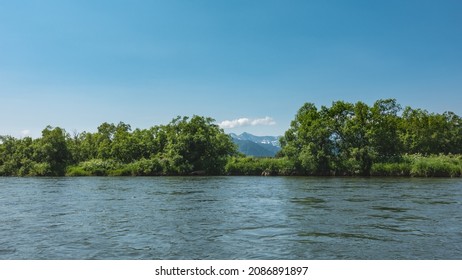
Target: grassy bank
[[421, 166], [408, 166], [259, 166], [143, 167]]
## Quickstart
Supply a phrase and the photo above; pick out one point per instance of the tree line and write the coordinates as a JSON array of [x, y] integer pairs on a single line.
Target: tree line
[[343, 139], [183, 146], [349, 139]]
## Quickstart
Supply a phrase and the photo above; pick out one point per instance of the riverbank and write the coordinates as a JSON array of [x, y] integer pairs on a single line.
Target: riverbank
[[343, 140], [407, 166]]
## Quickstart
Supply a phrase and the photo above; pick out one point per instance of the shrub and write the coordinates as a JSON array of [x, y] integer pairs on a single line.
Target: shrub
[[99, 167], [75, 171], [146, 167], [436, 166], [391, 169], [124, 171], [259, 166], [41, 169]]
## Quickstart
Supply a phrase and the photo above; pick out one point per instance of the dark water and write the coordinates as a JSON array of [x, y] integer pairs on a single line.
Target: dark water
[[230, 218]]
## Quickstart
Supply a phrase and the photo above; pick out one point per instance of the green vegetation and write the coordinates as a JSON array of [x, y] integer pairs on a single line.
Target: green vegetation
[[185, 146], [344, 140], [259, 166], [420, 166], [356, 139]]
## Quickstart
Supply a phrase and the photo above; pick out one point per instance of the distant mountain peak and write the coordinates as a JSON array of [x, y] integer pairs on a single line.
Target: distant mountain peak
[[272, 140], [259, 146]]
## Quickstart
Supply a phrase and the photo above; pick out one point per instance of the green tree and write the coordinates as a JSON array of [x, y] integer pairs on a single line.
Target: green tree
[[351, 129], [124, 146], [104, 138], [82, 147], [427, 134], [16, 156], [308, 141], [453, 137], [197, 144], [385, 140], [52, 151], [345, 138]]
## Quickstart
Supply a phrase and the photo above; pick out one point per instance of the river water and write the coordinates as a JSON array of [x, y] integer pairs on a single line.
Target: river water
[[230, 218]]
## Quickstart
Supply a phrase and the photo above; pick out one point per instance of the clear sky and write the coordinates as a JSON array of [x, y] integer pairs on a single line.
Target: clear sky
[[248, 64]]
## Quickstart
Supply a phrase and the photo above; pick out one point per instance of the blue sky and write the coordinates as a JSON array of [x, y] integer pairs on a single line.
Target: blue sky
[[247, 64]]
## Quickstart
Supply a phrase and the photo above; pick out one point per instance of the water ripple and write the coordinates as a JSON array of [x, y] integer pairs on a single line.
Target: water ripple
[[390, 209], [340, 235], [230, 218]]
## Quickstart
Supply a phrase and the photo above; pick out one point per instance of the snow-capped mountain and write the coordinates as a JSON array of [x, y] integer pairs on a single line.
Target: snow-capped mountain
[[271, 140], [258, 146]]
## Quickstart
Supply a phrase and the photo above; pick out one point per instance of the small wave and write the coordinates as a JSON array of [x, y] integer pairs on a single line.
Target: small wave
[[357, 199], [7, 251], [205, 200], [341, 235], [434, 202], [308, 200], [390, 209], [393, 228], [185, 192], [381, 216], [412, 218]]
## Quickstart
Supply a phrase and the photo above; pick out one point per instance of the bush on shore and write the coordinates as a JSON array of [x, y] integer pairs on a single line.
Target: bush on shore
[[421, 166], [259, 166]]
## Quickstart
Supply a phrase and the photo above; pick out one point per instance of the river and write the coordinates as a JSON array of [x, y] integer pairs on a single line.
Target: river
[[230, 218]]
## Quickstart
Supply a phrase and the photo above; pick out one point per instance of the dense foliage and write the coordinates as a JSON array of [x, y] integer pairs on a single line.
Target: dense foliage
[[351, 139], [184, 146], [259, 166], [344, 139], [415, 165]]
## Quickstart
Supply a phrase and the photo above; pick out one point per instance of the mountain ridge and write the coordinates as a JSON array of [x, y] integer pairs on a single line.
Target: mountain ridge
[[257, 146]]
